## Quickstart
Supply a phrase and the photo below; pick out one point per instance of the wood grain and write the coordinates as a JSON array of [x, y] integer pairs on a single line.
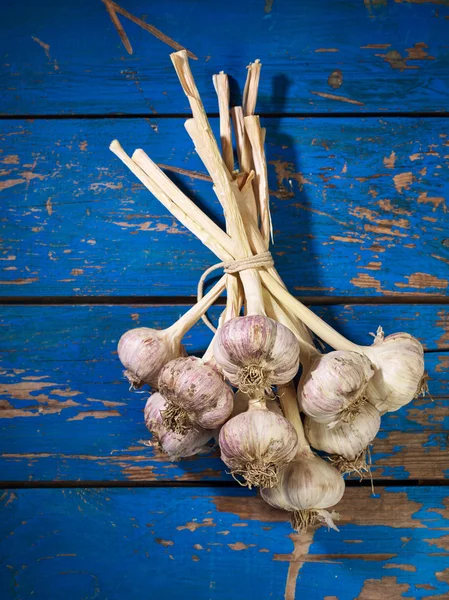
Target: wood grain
[[117, 543], [66, 412], [358, 207], [388, 56]]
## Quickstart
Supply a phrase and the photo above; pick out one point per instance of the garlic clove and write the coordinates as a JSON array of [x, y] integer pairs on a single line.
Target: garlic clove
[[175, 445], [346, 442], [256, 352], [333, 390], [399, 376], [307, 487], [256, 444], [196, 394], [143, 352]]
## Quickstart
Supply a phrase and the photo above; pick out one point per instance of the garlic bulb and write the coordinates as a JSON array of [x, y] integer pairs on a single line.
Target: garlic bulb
[[256, 352], [196, 394], [348, 442], [399, 376], [143, 352], [256, 444], [307, 487], [174, 444], [334, 387]]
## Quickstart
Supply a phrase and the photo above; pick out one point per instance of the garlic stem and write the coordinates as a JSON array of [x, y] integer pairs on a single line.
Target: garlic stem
[[316, 324], [254, 132], [242, 142], [276, 312], [287, 397], [251, 87], [221, 84], [205, 140], [188, 319], [228, 192], [179, 205]]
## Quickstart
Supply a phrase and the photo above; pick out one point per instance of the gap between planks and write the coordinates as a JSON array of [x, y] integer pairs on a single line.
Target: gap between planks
[[350, 483], [273, 115], [188, 300]]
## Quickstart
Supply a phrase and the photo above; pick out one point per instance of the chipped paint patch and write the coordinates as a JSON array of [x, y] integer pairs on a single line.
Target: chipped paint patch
[[301, 546], [4, 185], [96, 414], [194, 525], [335, 79], [241, 546], [410, 568], [423, 280], [338, 98], [390, 160], [403, 181], [46, 49], [436, 201], [380, 589]]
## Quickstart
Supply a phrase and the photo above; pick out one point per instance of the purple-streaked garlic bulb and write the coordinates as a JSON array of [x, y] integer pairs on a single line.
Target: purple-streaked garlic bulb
[[256, 352], [399, 375], [196, 394], [174, 444], [346, 442], [256, 444], [307, 487], [144, 351], [334, 388]]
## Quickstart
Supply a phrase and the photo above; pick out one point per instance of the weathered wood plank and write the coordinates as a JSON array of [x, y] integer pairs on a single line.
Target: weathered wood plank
[[359, 208], [66, 412], [163, 543], [67, 57]]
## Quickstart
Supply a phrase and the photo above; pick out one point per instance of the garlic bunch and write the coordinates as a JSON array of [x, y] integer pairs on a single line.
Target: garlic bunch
[[256, 352], [196, 394], [399, 376], [334, 388], [342, 392], [308, 485], [174, 444], [256, 444], [347, 442], [144, 351]]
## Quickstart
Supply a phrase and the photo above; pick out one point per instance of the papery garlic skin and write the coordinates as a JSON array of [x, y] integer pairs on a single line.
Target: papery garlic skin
[[143, 352], [196, 394], [399, 376], [256, 444], [175, 445], [345, 439], [335, 385], [256, 352], [307, 487]]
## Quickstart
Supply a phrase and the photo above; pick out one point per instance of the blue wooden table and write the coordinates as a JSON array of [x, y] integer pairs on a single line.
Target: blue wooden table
[[354, 96]]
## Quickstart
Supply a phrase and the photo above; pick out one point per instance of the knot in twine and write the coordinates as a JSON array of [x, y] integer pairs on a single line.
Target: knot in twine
[[257, 261]]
